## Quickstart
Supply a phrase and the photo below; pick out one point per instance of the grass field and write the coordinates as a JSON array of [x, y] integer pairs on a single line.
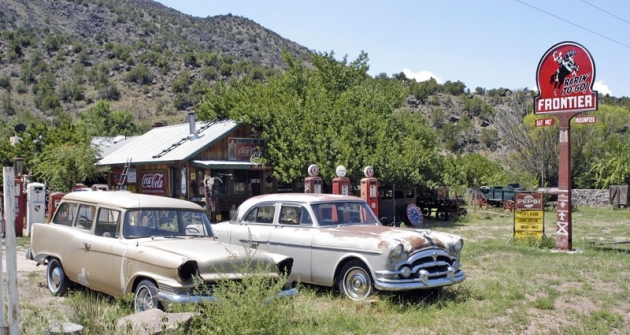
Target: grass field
[[511, 288]]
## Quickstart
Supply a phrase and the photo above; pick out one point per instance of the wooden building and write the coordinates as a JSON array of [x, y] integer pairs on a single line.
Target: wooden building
[[212, 163]]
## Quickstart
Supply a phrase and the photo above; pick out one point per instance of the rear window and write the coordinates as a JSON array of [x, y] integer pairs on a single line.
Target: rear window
[[65, 214]]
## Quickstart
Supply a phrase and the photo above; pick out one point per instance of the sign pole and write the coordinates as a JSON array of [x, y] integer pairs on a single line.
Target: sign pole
[[564, 230]]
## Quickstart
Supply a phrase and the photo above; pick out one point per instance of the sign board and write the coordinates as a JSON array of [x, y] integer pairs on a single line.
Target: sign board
[[585, 119], [154, 182], [544, 122], [565, 77], [528, 216], [243, 148]]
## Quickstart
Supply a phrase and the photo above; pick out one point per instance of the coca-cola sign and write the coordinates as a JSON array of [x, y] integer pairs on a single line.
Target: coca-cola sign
[[153, 183], [242, 149]]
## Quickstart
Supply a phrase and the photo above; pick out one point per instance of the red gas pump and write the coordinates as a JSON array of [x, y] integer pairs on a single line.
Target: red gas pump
[[313, 183], [369, 189], [53, 202], [20, 206], [341, 184]]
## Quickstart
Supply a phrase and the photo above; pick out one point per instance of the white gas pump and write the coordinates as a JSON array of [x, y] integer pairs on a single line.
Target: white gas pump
[[35, 205]]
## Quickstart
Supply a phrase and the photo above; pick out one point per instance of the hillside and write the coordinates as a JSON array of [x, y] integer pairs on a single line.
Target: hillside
[[146, 58]]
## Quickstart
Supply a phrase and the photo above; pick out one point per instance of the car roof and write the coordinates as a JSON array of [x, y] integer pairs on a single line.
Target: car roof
[[302, 197], [124, 199]]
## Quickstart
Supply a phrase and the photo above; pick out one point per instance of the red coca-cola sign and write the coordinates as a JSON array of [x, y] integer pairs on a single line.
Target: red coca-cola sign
[[153, 182]]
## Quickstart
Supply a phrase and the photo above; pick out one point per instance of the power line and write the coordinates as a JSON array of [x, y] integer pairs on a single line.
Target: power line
[[577, 25], [607, 12]]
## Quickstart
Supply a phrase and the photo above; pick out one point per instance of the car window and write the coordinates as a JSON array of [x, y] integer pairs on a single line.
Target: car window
[[261, 214], [338, 213], [161, 222], [65, 214], [290, 214], [107, 222], [85, 217], [305, 218]]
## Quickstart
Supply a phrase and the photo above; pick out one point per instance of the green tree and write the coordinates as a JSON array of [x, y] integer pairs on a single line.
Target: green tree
[[344, 117]]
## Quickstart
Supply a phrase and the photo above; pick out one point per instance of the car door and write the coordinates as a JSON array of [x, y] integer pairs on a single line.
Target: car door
[[292, 236], [104, 251], [254, 229]]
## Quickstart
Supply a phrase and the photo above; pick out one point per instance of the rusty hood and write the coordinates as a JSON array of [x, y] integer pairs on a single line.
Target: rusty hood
[[383, 237]]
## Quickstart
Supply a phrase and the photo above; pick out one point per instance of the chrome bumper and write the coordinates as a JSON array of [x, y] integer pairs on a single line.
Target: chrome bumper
[[418, 283], [169, 298]]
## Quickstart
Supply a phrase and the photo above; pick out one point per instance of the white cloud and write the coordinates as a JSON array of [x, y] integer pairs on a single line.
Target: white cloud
[[421, 76], [601, 88]]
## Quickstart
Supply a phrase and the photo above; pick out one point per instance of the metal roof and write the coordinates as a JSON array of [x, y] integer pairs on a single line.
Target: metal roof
[[170, 143], [107, 145]]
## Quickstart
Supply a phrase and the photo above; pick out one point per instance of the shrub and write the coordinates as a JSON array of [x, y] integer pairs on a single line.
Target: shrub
[[246, 306]]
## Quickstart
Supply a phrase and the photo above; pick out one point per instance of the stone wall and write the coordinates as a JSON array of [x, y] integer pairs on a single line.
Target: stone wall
[[590, 197]]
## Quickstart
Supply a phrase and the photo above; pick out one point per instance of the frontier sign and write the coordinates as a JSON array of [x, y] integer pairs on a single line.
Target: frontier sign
[[566, 74], [565, 77]]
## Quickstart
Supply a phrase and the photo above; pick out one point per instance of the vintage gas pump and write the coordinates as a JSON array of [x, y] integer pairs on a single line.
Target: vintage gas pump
[[20, 199], [369, 189], [53, 202], [341, 184], [36, 205], [313, 183]]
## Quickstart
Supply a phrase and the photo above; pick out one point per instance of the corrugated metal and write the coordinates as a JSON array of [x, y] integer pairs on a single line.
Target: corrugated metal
[[170, 143], [107, 145]]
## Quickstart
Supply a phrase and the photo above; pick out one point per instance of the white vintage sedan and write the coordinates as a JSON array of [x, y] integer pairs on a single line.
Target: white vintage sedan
[[159, 248], [337, 239]]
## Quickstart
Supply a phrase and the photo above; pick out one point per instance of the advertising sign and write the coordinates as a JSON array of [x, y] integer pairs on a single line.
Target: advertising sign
[[153, 182], [544, 122], [528, 216], [242, 149], [585, 119], [565, 77]]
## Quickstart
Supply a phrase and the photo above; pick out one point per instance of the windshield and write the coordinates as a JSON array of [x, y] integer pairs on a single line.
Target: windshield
[[337, 213], [165, 222]]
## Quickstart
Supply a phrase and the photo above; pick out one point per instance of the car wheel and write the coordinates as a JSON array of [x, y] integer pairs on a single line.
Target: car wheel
[[56, 278], [355, 281], [146, 296]]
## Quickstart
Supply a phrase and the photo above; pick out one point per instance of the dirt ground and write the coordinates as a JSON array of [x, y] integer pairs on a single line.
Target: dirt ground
[[33, 295]]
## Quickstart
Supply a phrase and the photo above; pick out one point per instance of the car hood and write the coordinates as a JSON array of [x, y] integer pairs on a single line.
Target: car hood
[[211, 255], [413, 239]]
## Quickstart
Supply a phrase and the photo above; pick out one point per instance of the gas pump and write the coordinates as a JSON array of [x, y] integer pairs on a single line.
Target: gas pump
[[369, 189], [313, 183], [341, 184], [20, 205], [36, 205]]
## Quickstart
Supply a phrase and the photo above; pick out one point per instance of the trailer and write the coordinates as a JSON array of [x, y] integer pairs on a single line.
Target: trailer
[[496, 196], [432, 202], [436, 202]]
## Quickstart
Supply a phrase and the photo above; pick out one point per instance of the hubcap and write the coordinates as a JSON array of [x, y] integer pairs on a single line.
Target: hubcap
[[357, 284], [55, 277], [144, 300]]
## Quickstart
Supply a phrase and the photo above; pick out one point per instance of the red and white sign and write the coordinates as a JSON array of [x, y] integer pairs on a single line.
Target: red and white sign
[[242, 149], [565, 77], [585, 119], [544, 122], [153, 183]]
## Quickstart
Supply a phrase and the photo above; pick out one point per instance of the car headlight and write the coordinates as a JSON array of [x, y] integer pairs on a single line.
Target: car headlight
[[188, 270], [397, 250], [457, 246]]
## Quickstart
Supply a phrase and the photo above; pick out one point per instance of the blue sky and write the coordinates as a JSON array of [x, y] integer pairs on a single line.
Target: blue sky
[[489, 43]]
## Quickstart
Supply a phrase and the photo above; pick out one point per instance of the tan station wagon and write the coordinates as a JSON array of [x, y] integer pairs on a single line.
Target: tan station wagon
[[156, 247]]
